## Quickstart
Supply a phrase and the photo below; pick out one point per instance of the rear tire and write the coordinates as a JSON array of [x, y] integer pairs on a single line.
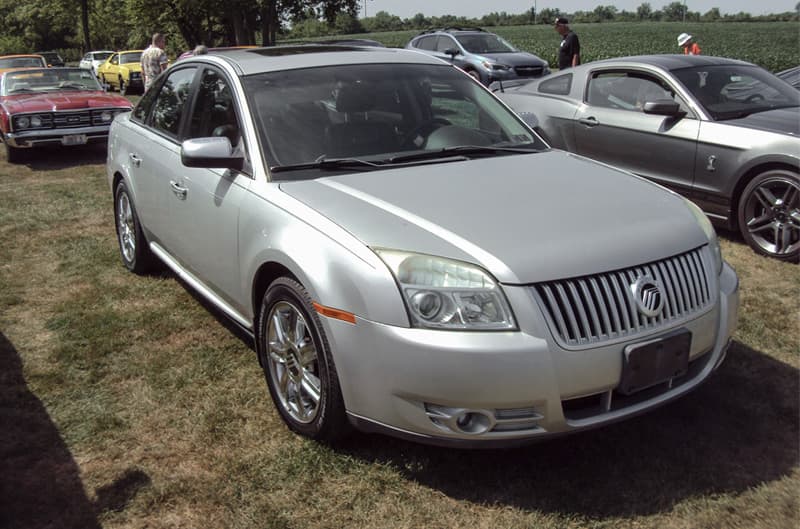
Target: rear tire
[[298, 365], [769, 214]]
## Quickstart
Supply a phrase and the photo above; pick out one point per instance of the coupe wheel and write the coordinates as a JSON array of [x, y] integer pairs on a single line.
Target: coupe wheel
[[297, 363], [769, 214], [136, 254]]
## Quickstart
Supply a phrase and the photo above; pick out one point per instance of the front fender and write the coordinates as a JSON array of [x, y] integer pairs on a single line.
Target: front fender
[[335, 268]]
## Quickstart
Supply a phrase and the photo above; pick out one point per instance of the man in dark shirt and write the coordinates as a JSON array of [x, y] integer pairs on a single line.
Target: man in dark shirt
[[569, 53]]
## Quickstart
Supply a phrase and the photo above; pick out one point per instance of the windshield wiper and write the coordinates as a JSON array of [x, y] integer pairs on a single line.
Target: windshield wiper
[[21, 90], [326, 163], [462, 150], [76, 86]]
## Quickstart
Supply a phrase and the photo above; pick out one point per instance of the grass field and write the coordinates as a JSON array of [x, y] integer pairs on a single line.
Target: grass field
[[125, 403], [772, 45]]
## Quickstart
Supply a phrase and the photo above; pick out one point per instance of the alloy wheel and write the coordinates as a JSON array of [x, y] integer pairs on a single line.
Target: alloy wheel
[[772, 215]]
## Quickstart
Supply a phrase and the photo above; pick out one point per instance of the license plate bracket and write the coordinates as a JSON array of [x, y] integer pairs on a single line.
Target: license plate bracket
[[73, 139], [646, 364]]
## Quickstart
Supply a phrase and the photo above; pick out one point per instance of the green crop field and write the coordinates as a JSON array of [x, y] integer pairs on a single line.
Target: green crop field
[[772, 45]]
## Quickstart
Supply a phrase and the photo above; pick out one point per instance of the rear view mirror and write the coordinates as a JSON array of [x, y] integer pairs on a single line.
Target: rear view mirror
[[663, 107], [215, 152]]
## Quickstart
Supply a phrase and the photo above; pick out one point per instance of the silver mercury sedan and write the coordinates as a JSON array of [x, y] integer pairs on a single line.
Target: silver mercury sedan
[[722, 132], [409, 257]]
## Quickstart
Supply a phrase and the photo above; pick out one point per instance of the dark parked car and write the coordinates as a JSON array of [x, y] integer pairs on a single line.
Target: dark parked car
[[485, 56], [724, 133], [52, 58]]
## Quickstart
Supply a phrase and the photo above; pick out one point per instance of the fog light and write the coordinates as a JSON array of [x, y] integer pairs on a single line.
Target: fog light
[[473, 422]]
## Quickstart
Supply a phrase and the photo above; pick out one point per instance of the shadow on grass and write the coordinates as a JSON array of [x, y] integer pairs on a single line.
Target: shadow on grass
[[40, 485], [737, 430], [52, 158]]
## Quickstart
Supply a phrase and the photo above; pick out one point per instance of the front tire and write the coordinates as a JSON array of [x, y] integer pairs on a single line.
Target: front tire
[[133, 247], [14, 154], [769, 214], [298, 364]]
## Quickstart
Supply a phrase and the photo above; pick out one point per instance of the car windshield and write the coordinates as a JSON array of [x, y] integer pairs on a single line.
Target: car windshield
[[734, 91], [127, 58], [47, 80], [378, 113], [102, 56], [21, 62], [485, 43]]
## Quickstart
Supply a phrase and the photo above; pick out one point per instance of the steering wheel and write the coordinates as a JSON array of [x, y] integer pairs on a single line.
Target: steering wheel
[[753, 98], [416, 137]]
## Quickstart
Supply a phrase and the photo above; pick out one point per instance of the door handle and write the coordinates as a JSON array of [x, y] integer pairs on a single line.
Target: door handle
[[179, 190], [589, 122], [135, 160]]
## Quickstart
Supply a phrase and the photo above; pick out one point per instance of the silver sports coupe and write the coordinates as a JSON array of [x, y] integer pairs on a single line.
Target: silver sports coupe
[[724, 133], [408, 255]]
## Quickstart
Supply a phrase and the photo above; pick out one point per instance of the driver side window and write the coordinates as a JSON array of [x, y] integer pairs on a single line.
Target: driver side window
[[628, 91], [214, 110]]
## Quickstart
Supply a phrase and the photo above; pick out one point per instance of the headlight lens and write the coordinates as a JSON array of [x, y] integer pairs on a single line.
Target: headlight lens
[[106, 116], [36, 121], [23, 122], [708, 229], [446, 294]]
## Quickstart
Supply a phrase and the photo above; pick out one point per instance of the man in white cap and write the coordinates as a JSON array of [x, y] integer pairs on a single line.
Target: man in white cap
[[686, 42]]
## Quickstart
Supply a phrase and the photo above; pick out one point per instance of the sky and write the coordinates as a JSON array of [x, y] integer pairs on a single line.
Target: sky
[[473, 9]]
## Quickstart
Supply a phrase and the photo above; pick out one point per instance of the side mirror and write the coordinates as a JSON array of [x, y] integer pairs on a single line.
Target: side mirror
[[663, 107], [213, 152], [452, 52]]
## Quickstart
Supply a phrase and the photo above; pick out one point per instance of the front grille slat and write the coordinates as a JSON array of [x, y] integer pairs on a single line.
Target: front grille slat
[[591, 309]]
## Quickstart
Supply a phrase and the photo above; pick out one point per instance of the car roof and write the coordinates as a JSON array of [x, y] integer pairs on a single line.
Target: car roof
[[453, 30], [21, 55], [670, 61], [278, 58]]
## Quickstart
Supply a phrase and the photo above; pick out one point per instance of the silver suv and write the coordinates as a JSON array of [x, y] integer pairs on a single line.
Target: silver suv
[[485, 56], [408, 255]]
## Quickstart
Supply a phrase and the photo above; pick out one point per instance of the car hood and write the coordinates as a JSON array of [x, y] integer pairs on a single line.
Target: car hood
[[782, 120], [524, 218], [514, 59], [55, 101]]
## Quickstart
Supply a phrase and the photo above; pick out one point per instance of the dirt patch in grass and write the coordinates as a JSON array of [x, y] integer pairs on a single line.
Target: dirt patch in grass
[[126, 403]]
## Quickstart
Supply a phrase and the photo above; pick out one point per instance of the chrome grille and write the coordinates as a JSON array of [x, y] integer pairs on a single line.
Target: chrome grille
[[598, 308], [72, 119]]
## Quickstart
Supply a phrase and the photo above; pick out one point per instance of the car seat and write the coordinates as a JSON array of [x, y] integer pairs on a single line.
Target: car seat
[[358, 134]]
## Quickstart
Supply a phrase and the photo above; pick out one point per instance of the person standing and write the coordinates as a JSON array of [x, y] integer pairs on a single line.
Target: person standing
[[688, 44], [569, 52], [154, 60]]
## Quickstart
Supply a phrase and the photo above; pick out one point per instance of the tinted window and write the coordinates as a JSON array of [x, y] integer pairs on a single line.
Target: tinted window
[[128, 58], [557, 85], [142, 108], [374, 112], [628, 90], [446, 43], [731, 91], [426, 43], [170, 101], [485, 43], [214, 112]]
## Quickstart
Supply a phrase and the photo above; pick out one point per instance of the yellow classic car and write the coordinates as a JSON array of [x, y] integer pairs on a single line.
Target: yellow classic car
[[122, 71]]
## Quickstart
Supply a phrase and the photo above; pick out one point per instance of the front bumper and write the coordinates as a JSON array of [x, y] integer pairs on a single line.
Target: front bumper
[[40, 137], [522, 386]]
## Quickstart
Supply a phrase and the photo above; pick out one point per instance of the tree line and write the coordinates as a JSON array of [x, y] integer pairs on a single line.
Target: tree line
[[75, 26]]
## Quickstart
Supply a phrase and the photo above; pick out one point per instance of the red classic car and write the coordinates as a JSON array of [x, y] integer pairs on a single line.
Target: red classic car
[[54, 106]]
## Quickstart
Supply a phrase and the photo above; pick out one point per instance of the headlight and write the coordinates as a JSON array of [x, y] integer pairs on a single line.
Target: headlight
[[106, 116], [708, 229], [22, 122], [446, 294], [36, 121]]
